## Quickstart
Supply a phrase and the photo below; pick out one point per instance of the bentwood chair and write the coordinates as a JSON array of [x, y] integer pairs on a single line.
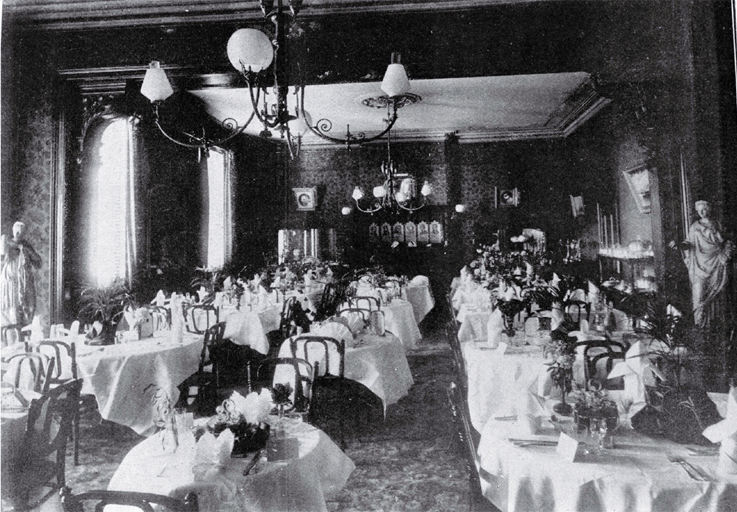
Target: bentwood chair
[[199, 391], [329, 385], [200, 317], [50, 419], [65, 369], [294, 371], [146, 502], [30, 370]]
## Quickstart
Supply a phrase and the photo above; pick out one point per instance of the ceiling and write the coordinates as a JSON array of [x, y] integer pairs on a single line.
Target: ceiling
[[477, 109]]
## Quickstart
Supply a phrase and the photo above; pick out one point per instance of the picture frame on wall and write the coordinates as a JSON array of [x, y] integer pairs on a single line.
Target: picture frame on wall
[[638, 181], [305, 198], [506, 197]]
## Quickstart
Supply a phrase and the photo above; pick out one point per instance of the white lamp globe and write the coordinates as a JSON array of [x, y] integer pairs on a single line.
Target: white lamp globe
[[249, 48], [346, 210], [379, 192]]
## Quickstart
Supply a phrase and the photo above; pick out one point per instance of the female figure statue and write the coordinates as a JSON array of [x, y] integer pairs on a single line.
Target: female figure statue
[[17, 289], [706, 254]]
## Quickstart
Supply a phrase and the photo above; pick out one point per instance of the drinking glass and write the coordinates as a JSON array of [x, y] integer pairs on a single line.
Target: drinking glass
[[598, 431]]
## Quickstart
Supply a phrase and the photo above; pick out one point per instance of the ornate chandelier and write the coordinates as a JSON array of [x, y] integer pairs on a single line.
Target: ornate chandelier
[[253, 55], [398, 192]]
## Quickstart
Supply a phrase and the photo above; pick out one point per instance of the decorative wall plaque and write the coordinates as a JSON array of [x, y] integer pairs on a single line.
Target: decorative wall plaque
[[374, 233], [436, 232], [422, 233], [386, 233], [410, 234], [398, 232]]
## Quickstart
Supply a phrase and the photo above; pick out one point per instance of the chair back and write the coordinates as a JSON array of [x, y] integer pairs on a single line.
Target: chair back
[[365, 302], [143, 501], [65, 355], [200, 317], [322, 352], [214, 337], [161, 316], [30, 370], [332, 296], [358, 318], [287, 315], [597, 351], [294, 371]]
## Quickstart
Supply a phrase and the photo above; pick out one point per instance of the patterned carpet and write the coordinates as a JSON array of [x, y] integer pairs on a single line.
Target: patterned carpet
[[409, 461]]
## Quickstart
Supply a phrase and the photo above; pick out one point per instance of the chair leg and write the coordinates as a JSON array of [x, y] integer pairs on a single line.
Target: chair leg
[[75, 437]]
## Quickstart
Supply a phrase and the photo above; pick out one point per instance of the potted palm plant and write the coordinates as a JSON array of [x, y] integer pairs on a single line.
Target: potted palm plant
[[103, 307]]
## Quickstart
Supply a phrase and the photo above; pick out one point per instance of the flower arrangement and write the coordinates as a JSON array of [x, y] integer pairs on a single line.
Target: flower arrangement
[[594, 403], [246, 418], [561, 350], [105, 306]]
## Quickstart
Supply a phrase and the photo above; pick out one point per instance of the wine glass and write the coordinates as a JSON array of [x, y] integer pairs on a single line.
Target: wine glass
[[598, 431]]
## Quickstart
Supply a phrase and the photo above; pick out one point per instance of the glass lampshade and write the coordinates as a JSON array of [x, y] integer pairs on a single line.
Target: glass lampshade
[[395, 81], [460, 208], [299, 126], [249, 48], [408, 188], [426, 189], [357, 194], [346, 210], [379, 192], [400, 197], [156, 86]]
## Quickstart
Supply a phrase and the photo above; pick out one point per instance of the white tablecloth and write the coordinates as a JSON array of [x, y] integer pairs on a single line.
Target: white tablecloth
[[295, 485], [249, 328], [633, 476], [14, 422], [400, 320], [470, 293], [124, 377], [377, 362], [421, 299], [473, 320], [494, 378]]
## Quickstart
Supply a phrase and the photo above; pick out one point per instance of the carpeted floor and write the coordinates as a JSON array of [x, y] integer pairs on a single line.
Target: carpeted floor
[[408, 461]]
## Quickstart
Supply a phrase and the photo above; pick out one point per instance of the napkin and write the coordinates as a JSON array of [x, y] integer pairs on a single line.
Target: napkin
[[530, 412], [263, 297], [37, 330], [228, 283], [637, 372], [202, 293], [726, 432], [160, 299], [529, 270], [554, 282], [218, 301], [177, 318], [212, 455], [593, 293], [420, 281], [355, 322], [494, 328]]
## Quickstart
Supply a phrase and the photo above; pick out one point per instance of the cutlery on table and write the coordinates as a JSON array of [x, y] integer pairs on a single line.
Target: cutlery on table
[[694, 472], [253, 462]]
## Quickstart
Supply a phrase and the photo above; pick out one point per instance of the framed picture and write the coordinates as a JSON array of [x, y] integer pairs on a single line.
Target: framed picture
[[638, 180], [306, 198], [506, 197]]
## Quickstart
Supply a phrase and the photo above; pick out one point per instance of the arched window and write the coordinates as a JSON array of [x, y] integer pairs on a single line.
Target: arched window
[[112, 209]]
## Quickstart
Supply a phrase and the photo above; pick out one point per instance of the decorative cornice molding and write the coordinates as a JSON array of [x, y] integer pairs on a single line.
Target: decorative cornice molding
[[100, 14]]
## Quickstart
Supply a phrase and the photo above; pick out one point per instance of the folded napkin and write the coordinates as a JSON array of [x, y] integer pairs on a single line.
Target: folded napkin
[[37, 330], [228, 283], [530, 413], [356, 322], [593, 295], [637, 372], [177, 318], [202, 293], [529, 270], [160, 299], [495, 328], [555, 281], [420, 281], [725, 432], [218, 302], [212, 455]]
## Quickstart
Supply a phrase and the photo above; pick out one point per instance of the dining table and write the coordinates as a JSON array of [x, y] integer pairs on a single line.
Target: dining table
[[377, 362], [250, 327], [635, 474], [124, 377], [420, 296], [399, 319], [320, 470]]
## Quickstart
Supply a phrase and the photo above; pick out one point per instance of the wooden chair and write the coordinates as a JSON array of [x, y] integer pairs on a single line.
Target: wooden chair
[[365, 302], [141, 500], [30, 368], [300, 379], [596, 352], [50, 419], [329, 386], [198, 317], [199, 391], [332, 295], [65, 369]]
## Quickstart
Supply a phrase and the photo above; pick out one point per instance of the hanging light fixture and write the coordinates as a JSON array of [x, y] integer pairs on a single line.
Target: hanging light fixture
[[398, 192], [253, 54]]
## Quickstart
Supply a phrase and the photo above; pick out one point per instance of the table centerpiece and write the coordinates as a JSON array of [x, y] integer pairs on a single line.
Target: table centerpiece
[[246, 418]]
